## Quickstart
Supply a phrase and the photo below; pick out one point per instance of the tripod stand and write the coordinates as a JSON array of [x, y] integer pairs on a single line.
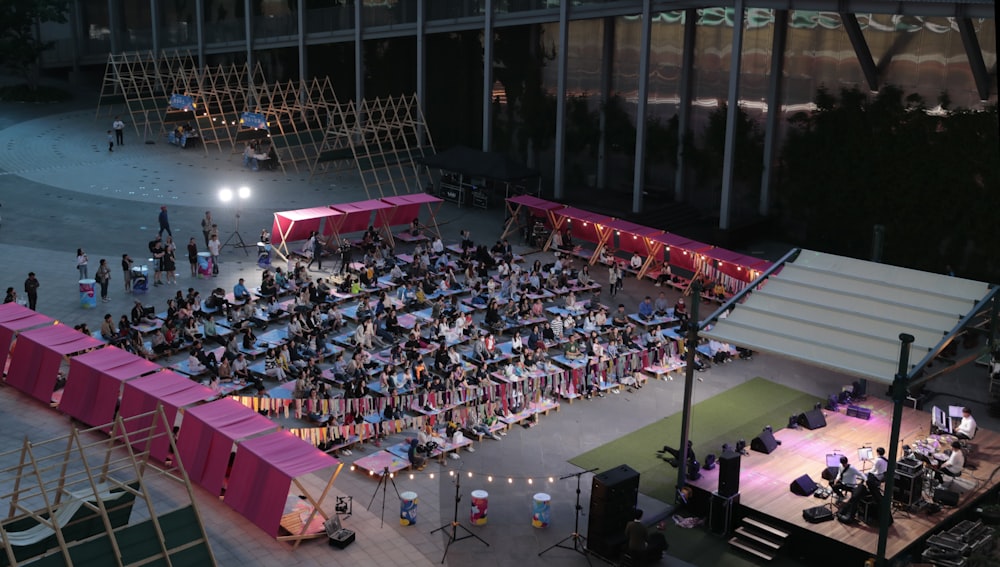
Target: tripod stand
[[383, 483], [454, 524], [237, 236], [579, 541]]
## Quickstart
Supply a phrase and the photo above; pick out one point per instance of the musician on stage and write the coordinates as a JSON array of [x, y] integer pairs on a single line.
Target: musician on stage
[[848, 478], [881, 464], [951, 467], [967, 427]]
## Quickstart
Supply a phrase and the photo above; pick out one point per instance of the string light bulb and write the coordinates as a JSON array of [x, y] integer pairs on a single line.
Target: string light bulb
[[551, 479], [432, 476], [510, 480], [470, 474], [489, 479], [530, 481], [411, 476], [451, 473]]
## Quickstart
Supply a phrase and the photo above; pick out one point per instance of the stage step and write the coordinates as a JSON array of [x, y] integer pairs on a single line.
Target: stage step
[[764, 527], [740, 543], [760, 539]]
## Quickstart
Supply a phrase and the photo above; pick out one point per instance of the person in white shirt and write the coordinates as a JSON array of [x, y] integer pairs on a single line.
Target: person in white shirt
[[636, 261], [437, 247], [967, 428], [954, 465], [881, 464], [848, 478]]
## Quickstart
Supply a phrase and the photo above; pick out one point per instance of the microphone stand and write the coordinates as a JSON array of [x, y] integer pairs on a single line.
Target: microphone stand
[[455, 524], [579, 541]]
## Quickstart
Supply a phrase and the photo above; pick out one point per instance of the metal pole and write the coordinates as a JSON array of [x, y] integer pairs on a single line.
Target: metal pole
[[639, 175], [488, 77], [733, 102], [421, 68], [359, 60], [689, 356], [774, 99], [113, 24], [684, 106], [899, 386], [154, 22], [199, 27], [560, 157], [303, 56]]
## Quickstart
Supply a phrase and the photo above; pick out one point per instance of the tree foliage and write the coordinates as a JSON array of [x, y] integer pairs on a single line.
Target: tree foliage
[[20, 46], [931, 179]]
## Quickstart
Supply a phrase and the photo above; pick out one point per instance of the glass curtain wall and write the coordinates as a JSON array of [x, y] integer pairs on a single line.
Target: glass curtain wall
[[326, 16], [178, 24], [223, 21]]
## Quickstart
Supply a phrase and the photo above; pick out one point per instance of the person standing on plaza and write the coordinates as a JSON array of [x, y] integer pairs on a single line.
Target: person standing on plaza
[[206, 227], [170, 263], [111, 141], [103, 277], [193, 256], [214, 247], [31, 289], [613, 280], [164, 221], [127, 270], [81, 263], [317, 249], [119, 127]]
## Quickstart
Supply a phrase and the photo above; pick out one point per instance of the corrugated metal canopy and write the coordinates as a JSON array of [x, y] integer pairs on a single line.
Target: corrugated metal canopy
[[846, 314]]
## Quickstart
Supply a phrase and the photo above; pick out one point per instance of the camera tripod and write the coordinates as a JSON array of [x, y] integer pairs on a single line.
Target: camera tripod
[[579, 541], [384, 479], [455, 524]]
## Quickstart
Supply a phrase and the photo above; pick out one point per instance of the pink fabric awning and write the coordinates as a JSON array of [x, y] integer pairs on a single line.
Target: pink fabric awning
[[536, 205], [680, 251], [290, 226], [208, 434], [15, 318], [263, 471], [141, 396], [584, 225], [632, 237], [406, 208], [93, 385], [357, 215], [35, 359]]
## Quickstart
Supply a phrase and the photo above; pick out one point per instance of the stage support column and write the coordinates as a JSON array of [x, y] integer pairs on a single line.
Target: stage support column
[[560, 157], [113, 19], [607, 66], [694, 326], [899, 386], [488, 77], [684, 106], [732, 115], [199, 30], [774, 100]]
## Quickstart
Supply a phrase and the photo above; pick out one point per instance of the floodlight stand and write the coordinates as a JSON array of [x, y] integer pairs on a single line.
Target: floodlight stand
[[455, 524], [236, 234], [383, 484], [579, 541]]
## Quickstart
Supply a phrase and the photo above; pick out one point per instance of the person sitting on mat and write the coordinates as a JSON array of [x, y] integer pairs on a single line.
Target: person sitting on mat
[[416, 460], [643, 546]]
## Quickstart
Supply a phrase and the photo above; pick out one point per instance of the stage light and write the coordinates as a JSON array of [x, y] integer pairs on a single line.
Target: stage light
[[709, 462], [793, 421], [768, 429], [244, 192], [225, 194], [818, 405]]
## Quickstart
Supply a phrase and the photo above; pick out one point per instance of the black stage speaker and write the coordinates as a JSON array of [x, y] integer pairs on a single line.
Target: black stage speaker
[[764, 443], [812, 419], [613, 496], [817, 514], [729, 473], [803, 486], [945, 497], [830, 473]]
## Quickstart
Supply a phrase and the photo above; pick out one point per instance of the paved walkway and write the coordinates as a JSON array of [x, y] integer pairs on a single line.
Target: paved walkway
[[60, 190]]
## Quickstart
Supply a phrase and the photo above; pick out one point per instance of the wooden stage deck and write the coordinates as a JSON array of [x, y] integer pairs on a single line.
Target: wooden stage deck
[[765, 479]]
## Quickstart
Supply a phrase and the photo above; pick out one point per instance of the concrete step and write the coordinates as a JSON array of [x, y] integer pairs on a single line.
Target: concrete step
[[758, 538], [765, 527], [750, 548]]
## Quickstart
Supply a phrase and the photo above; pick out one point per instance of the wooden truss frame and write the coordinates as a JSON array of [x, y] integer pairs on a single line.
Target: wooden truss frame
[[298, 116], [84, 470], [134, 80]]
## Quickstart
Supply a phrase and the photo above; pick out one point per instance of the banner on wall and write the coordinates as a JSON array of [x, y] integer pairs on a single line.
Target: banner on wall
[[253, 120], [181, 102]]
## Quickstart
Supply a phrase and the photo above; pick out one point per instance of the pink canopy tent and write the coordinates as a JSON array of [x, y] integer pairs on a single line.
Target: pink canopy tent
[[406, 208], [15, 318], [35, 360], [141, 396], [291, 226], [357, 216], [265, 469], [635, 239], [93, 385], [583, 225], [679, 251], [207, 436], [535, 207]]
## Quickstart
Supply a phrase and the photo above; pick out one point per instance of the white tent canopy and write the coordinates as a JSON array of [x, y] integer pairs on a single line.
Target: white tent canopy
[[846, 314]]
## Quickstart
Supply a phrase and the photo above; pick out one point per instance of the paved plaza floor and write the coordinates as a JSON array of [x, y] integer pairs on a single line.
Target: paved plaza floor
[[60, 190]]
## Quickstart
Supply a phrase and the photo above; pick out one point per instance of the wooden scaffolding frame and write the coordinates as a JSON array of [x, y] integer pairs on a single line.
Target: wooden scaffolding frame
[[134, 81], [83, 486], [298, 117], [386, 137]]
